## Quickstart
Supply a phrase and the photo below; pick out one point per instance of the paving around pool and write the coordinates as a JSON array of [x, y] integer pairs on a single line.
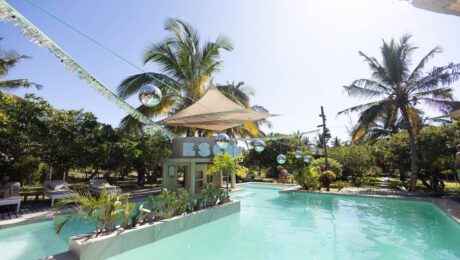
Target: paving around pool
[[277, 225]]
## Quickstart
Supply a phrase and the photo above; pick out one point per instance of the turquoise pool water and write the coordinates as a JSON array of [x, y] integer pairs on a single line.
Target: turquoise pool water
[[283, 226], [314, 226]]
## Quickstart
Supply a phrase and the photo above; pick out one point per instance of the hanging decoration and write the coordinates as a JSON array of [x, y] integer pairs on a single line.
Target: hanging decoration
[[259, 146], [222, 141], [149, 95], [298, 154], [28, 30], [281, 159]]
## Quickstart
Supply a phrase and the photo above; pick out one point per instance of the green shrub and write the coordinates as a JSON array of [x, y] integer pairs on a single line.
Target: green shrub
[[308, 179], [326, 178], [340, 185], [334, 165], [357, 160], [210, 196]]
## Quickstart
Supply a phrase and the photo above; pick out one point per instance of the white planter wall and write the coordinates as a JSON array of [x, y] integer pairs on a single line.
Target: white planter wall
[[116, 243]]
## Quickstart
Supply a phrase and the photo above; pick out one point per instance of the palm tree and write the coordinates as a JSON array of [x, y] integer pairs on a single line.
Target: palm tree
[[396, 87], [9, 59], [187, 65]]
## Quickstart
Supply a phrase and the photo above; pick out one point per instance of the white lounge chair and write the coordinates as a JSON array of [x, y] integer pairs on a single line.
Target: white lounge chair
[[97, 185], [58, 189], [13, 197]]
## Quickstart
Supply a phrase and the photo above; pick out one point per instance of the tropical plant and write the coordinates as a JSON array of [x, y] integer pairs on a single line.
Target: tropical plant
[[138, 214], [227, 165], [333, 165], [355, 160], [340, 185], [400, 89], [8, 60], [167, 204], [188, 66], [308, 178], [224, 197], [212, 196], [103, 211], [326, 178]]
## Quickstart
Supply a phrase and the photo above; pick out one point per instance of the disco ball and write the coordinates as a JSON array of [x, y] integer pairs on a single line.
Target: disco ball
[[150, 95], [222, 141], [281, 159], [259, 146], [298, 154], [306, 159]]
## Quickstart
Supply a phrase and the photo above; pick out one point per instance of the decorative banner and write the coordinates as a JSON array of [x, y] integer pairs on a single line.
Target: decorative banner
[[9, 14]]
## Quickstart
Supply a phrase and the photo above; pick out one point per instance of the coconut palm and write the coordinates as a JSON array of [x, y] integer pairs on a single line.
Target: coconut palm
[[9, 59], [188, 65], [394, 86]]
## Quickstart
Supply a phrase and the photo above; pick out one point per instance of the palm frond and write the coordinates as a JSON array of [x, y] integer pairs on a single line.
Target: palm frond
[[18, 83], [360, 107], [417, 72], [355, 90], [439, 76]]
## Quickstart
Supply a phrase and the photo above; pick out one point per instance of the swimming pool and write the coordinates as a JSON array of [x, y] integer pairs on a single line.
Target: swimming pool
[[272, 225], [308, 226]]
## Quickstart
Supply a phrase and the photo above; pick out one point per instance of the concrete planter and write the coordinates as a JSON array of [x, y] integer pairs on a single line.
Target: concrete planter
[[119, 242]]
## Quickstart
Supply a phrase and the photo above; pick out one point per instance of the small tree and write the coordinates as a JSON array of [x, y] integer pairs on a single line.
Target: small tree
[[356, 161], [326, 178], [227, 165], [308, 178]]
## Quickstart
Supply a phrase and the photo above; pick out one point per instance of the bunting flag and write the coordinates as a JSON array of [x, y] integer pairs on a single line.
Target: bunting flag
[[28, 30]]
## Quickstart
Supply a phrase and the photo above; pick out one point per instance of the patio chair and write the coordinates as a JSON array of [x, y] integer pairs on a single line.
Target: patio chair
[[58, 189], [10, 194], [97, 185]]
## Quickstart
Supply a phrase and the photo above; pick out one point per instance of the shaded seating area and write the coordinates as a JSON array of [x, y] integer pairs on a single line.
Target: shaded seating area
[[58, 189], [9, 194], [98, 185]]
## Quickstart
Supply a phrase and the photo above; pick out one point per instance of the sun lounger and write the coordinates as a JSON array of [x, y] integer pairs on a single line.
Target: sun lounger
[[97, 185], [10, 194], [58, 189]]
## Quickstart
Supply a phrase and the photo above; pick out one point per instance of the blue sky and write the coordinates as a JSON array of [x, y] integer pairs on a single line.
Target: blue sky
[[295, 54]]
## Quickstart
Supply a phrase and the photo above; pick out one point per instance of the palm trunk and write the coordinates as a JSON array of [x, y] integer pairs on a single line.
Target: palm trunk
[[413, 149]]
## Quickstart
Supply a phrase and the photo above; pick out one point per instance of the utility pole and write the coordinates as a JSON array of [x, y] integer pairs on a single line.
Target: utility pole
[[326, 134]]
